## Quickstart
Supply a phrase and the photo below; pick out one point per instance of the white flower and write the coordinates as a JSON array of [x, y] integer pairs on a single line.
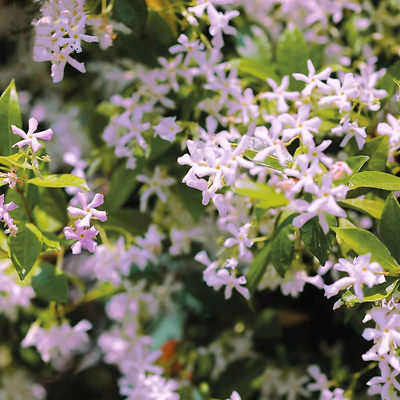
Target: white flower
[[361, 272]]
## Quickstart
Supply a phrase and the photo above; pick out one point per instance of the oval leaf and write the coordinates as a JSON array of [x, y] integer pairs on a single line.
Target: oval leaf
[[389, 226], [376, 180], [364, 242], [59, 181]]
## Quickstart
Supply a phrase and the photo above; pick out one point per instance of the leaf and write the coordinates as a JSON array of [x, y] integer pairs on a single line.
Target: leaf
[[389, 226], [355, 163], [129, 219], [169, 326], [364, 242], [123, 182], [191, 199], [47, 239], [255, 68], [164, 7], [375, 293], [377, 150], [374, 179], [24, 250], [282, 247], [269, 162], [132, 13], [372, 207], [315, 240], [50, 214], [50, 286], [59, 181], [10, 114], [13, 160], [261, 191], [292, 53], [258, 267]]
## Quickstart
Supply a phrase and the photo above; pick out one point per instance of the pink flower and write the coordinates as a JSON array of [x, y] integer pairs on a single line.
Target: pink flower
[[5, 216], [83, 236], [30, 138], [88, 211]]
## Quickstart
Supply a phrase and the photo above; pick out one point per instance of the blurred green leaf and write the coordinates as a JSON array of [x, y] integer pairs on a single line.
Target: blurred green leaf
[[59, 181], [50, 286], [389, 226]]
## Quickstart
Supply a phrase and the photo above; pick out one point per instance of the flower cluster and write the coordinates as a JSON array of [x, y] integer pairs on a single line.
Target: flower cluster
[[386, 337], [124, 346], [59, 342], [84, 233], [361, 272], [59, 33]]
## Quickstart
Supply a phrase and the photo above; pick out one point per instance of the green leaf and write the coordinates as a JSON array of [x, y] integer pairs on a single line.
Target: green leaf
[[50, 286], [123, 182], [260, 191], [292, 53], [24, 249], [255, 68], [258, 267], [373, 208], [50, 214], [389, 226], [132, 13], [128, 219], [377, 149], [282, 247], [355, 163], [10, 114], [375, 293], [14, 160], [269, 162], [191, 199], [168, 326], [315, 240], [50, 241], [374, 179], [364, 242], [59, 181]]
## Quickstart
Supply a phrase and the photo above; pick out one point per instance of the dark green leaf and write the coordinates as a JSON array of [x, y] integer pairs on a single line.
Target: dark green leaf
[[24, 250], [258, 268], [132, 13], [315, 240], [389, 226], [50, 286], [282, 247]]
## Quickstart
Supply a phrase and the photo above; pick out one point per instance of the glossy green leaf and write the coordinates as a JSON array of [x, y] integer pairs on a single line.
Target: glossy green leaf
[[24, 249], [375, 293], [49, 285], [59, 181], [355, 163], [364, 242], [258, 267], [373, 208], [377, 149], [315, 240], [282, 247], [389, 226], [375, 179], [10, 114]]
